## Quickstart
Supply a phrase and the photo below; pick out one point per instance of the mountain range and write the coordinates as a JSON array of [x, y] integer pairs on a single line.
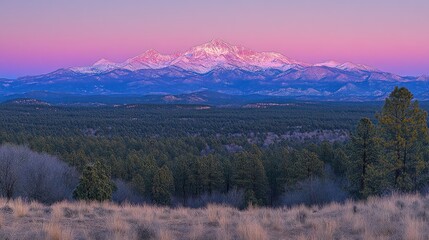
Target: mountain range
[[220, 67]]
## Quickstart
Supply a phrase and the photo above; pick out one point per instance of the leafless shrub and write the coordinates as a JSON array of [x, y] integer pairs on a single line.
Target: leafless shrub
[[30, 175]]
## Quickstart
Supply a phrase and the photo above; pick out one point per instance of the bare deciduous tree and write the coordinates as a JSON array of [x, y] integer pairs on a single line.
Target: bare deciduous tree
[[41, 177]]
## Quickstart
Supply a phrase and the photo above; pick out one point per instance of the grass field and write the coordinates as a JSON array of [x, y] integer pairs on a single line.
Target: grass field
[[394, 217]]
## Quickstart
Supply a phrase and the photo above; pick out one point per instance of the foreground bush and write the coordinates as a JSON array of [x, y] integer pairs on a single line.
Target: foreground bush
[[35, 176]]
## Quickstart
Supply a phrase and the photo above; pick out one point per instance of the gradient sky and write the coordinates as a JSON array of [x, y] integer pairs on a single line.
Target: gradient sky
[[44, 35]]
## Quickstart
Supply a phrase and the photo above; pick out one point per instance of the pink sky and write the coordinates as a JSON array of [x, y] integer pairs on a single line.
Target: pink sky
[[42, 36]]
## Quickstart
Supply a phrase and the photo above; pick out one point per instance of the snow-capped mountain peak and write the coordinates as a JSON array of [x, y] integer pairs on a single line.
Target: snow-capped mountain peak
[[354, 66], [212, 55], [151, 56], [147, 60], [102, 65], [348, 66], [220, 66], [215, 47], [103, 61], [331, 64]]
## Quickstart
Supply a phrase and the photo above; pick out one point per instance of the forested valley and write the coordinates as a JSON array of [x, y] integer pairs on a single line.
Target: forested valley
[[192, 155]]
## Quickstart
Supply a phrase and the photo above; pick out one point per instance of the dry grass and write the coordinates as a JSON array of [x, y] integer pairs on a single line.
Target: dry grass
[[165, 235], [20, 208], [118, 227], [197, 232], [251, 230], [414, 229], [1, 220], [55, 232], [395, 217]]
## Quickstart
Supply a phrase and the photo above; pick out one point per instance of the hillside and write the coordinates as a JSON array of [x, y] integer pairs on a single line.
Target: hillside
[[394, 217]]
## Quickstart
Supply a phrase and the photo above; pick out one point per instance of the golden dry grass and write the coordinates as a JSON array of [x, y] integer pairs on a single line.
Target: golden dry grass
[[395, 217], [20, 208], [55, 232], [1, 220], [251, 230]]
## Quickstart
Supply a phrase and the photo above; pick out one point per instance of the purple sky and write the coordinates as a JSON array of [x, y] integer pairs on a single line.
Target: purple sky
[[44, 35]]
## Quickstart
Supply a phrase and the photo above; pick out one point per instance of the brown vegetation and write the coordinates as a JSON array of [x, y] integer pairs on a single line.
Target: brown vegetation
[[394, 217]]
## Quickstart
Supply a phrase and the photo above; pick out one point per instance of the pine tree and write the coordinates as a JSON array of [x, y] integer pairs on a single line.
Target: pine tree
[[404, 130], [250, 175], [212, 176], [364, 161], [340, 162], [228, 174], [148, 170], [138, 184], [183, 177], [163, 186], [326, 152], [273, 161], [302, 165], [95, 184]]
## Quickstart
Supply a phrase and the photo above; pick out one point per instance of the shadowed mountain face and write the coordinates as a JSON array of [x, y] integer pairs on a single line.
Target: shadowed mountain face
[[220, 67]]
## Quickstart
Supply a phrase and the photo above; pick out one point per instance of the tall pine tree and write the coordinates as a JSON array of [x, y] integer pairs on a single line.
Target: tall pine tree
[[249, 175], [212, 175], [302, 165], [163, 186], [404, 130], [364, 164]]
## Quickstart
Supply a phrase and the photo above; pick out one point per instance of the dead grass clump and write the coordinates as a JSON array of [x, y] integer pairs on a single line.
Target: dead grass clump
[[325, 229], [55, 232], [251, 230], [223, 220], [57, 212], [277, 221], [20, 208], [422, 215], [70, 213], [83, 207], [301, 216], [197, 232], [147, 213], [145, 232], [400, 204], [1, 220], [356, 225], [164, 234], [212, 213], [223, 234], [117, 225], [414, 229], [180, 213]]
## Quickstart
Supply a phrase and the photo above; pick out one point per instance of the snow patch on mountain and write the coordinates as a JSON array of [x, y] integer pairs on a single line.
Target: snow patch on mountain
[[349, 87], [102, 65], [150, 59], [345, 66]]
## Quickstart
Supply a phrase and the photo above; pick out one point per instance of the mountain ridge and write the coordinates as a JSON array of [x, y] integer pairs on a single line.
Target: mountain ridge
[[214, 54], [224, 68]]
